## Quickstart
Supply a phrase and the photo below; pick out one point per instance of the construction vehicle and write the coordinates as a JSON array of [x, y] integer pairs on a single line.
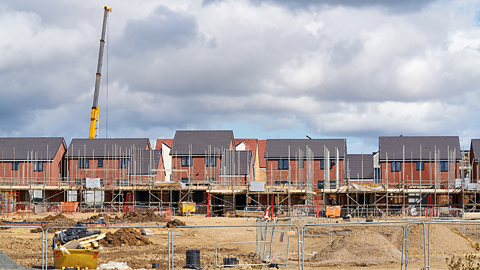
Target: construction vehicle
[[94, 114]]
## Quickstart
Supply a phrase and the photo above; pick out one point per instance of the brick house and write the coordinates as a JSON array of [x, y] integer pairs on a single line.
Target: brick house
[[427, 161], [196, 154], [32, 161], [117, 162], [295, 162], [474, 160]]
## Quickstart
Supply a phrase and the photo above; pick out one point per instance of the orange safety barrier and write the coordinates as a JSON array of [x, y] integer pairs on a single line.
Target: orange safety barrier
[[69, 206]]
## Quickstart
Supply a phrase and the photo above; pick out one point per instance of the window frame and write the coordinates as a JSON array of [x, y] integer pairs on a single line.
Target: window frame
[[395, 166], [283, 164], [186, 161], [38, 166], [301, 163], [322, 164], [443, 166], [418, 165], [83, 163], [123, 163], [15, 165], [210, 161], [100, 162]]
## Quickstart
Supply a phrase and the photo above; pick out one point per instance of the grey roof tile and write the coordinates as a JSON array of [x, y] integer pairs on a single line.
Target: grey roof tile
[[145, 161], [236, 163], [393, 146], [475, 146], [201, 140], [355, 162], [19, 147], [115, 147]]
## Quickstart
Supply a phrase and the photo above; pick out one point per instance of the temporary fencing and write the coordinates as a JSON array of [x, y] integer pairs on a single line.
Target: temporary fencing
[[25, 252], [266, 232]]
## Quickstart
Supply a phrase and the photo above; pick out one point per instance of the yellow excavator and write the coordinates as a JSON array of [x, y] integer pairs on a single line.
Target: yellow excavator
[[94, 114]]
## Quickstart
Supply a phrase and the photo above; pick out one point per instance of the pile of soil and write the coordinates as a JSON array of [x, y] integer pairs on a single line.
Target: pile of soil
[[96, 217], [126, 236], [61, 222], [444, 241], [51, 218], [361, 247], [144, 216], [3, 228], [175, 223]]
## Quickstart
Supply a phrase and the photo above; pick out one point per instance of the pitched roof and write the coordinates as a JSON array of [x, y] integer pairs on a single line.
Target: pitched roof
[[106, 147], [145, 161], [236, 163], [202, 141], [393, 146], [262, 144], [278, 148], [27, 147], [250, 145], [168, 142], [355, 162]]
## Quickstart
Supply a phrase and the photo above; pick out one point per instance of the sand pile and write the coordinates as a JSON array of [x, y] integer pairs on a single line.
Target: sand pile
[[444, 242], [361, 247], [126, 236], [175, 223], [61, 222]]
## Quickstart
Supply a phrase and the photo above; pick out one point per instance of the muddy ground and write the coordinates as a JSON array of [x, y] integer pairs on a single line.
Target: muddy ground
[[341, 247]]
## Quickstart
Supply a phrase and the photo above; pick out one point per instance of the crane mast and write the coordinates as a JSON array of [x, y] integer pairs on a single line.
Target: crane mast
[[94, 114]]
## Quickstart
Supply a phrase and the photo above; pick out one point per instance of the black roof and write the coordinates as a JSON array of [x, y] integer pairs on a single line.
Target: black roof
[[201, 140], [278, 148], [475, 147], [19, 148], [355, 161], [393, 146], [144, 161], [106, 147], [236, 163]]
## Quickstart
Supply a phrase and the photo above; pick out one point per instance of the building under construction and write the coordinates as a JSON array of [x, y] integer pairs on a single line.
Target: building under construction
[[223, 175]]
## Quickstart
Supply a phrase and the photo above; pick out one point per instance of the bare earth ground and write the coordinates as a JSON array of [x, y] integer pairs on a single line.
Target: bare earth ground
[[350, 248]]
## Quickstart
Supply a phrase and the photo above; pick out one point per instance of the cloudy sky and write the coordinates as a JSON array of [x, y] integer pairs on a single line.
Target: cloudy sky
[[265, 69]]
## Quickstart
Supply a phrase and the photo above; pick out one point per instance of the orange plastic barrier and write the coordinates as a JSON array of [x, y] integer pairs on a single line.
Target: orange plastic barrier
[[69, 206], [333, 211]]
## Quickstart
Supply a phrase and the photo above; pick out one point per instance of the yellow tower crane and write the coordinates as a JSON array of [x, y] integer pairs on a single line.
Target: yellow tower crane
[[94, 114]]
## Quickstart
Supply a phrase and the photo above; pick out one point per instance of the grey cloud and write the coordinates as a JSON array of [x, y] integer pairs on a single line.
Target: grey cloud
[[405, 6], [164, 27]]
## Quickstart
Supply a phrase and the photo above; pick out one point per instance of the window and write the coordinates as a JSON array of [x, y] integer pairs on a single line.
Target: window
[[210, 161], [420, 166], [101, 182], [396, 166], [123, 163], [283, 164], [100, 162], [322, 164], [187, 162], [444, 166], [301, 163], [320, 185], [15, 165], [185, 180], [79, 182], [83, 163], [38, 166], [122, 182]]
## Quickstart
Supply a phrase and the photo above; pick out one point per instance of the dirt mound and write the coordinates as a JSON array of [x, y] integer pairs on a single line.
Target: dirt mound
[[144, 216], [362, 247], [443, 241], [126, 236], [175, 223], [3, 228], [51, 218], [108, 218], [62, 222]]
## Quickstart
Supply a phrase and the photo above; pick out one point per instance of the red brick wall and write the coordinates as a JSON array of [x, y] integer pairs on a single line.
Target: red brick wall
[[110, 171], [198, 171], [394, 178], [274, 174]]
